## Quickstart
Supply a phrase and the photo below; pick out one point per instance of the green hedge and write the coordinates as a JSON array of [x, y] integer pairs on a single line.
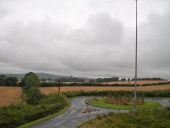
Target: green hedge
[[119, 93], [101, 85], [13, 116]]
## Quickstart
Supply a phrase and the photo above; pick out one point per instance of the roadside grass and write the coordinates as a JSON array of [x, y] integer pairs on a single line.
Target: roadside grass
[[27, 125], [100, 102], [144, 118]]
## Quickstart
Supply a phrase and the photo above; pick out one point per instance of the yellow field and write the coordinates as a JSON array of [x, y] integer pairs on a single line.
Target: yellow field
[[11, 95], [52, 90]]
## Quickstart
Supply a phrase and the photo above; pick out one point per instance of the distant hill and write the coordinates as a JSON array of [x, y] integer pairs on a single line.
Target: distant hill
[[19, 76], [40, 75]]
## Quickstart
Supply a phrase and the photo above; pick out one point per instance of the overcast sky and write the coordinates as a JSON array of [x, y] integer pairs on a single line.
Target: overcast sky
[[92, 38]]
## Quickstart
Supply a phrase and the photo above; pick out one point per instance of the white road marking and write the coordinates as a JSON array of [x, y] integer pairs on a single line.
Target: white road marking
[[77, 116]]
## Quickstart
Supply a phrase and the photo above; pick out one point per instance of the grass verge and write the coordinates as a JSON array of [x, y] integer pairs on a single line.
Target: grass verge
[[100, 102], [144, 118], [27, 125]]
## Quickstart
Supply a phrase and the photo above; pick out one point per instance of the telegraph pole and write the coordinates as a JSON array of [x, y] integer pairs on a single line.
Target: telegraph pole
[[59, 85]]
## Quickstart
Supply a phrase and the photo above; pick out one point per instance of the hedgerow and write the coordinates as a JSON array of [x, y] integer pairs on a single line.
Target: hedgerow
[[13, 116], [165, 93]]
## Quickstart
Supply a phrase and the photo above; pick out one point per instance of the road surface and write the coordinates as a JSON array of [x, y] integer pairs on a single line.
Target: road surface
[[74, 116]]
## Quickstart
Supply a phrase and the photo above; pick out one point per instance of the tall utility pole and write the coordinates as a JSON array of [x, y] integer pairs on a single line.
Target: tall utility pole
[[59, 85], [136, 57]]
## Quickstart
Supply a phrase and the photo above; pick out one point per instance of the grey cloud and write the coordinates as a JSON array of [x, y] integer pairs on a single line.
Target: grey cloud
[[49, 46], [3, 13], [154, 45], [102, 47]]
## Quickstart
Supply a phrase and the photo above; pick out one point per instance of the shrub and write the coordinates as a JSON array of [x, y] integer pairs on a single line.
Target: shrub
[[143, 119], [31, 94], [13, 116]]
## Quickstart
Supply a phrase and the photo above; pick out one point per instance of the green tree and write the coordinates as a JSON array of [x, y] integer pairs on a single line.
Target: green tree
[[10, 81], [31, 95], [31, 92], [2, 78], [31, 79], [21, 84]]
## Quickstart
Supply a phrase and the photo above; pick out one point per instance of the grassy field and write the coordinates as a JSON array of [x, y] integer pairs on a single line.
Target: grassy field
[[11, 95], [100, 102]]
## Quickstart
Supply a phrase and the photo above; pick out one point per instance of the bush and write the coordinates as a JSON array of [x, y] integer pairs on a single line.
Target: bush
[[31, 94], [13, 116]]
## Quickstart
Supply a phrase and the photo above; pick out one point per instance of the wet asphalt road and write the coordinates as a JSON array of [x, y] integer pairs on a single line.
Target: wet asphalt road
[[74, 116]]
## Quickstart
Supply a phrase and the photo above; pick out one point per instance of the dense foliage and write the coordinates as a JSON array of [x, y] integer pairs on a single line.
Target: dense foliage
[[119, 93], [50, 84], [156, 118], [107, 79], [31, 95], [31, 79], [86, 84], [154, 78], [13, 116], [123, 79], [99, 85], [8, 81]]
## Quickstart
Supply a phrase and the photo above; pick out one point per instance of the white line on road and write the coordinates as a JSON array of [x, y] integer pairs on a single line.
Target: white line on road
[[78, 116]]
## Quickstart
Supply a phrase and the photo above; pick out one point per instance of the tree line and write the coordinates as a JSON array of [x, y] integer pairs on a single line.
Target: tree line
[[8, 81], [13, 81]]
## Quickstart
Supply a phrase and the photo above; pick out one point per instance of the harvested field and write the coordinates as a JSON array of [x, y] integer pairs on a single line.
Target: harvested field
[[52, 90], [11, 95]]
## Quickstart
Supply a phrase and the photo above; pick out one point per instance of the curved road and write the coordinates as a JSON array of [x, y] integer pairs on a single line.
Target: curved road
[[74, 116]]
